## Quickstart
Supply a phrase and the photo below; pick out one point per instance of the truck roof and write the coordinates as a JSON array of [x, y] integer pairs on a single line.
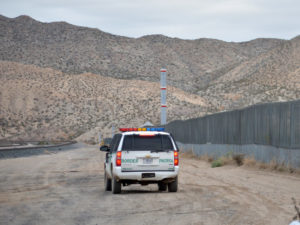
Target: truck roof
[[145, 132]]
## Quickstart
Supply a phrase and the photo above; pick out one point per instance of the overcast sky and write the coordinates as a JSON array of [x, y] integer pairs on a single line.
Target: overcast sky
[[228, 20]]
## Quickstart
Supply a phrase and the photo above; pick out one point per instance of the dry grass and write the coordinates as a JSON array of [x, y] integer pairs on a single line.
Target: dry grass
[[229, 159], [232, 159], [207, 158], [241, 160], [273, 165], [250, 161], [190, 155]]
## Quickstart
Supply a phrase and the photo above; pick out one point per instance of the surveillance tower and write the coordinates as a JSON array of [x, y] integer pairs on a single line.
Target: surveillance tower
[[163, 95]]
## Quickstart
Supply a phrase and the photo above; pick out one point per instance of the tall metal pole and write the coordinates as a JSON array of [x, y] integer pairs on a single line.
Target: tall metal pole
[[112, 130], [163, 95]]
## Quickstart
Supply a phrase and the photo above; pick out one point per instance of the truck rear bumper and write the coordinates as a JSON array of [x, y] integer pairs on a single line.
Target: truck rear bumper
[[137, 175]]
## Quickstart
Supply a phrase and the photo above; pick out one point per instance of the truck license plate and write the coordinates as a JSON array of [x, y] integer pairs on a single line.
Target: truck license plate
[[148, 175], [147, 161]]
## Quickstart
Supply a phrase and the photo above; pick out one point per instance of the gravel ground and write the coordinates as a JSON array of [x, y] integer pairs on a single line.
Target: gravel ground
[[67, 188]]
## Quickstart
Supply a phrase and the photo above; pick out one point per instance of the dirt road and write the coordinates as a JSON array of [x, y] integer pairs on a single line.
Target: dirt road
[[67, 188]]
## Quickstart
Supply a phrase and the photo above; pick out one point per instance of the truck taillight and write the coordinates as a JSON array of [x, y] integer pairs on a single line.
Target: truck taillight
[[118, 159], [176, 158]]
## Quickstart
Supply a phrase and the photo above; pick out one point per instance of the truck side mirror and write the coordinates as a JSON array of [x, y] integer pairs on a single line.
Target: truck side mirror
[[104, 148]]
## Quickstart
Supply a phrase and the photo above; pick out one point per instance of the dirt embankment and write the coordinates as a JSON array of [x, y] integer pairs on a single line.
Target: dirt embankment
[[67, 188]]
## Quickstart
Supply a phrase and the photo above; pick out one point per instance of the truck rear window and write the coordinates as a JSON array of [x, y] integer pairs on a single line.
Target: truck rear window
[[145, 143]]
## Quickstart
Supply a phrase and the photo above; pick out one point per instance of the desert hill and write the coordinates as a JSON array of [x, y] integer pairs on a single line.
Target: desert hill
[[60, 81], [191, 64], [273, 76], [42, 103]]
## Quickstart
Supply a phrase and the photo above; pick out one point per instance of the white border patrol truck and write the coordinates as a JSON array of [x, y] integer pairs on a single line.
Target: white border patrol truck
[[141, 156]]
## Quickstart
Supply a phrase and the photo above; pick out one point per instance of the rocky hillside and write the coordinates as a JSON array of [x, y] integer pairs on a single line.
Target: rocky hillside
[[273, 76], [61, 81], [191, 64], [38, 103]]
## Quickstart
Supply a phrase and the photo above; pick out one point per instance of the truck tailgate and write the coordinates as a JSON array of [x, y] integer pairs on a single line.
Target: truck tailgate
[[147, 161]]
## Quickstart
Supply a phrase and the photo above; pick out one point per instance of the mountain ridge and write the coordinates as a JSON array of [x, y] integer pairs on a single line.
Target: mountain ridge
[[76, 50], [64, 81]]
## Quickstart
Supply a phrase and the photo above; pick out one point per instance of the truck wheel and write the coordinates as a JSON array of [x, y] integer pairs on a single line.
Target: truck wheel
[[173, 186], [107, 182], [162, 186], [116, 186]]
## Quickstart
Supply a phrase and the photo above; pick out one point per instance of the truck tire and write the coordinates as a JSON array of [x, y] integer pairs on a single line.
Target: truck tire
[[162, 186], [173, 186], [107, 182], [116, 186]]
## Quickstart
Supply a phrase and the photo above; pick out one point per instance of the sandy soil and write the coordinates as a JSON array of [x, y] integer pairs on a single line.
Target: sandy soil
[[68, 188]]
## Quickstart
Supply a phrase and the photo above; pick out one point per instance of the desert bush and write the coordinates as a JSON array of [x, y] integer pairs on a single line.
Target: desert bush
[[207, 158], [217, 163], [239, 159], [250, 161], [188, 154], [262, 165]]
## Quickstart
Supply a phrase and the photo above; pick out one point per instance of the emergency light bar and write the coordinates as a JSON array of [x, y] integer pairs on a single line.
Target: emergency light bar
[[142, 129]]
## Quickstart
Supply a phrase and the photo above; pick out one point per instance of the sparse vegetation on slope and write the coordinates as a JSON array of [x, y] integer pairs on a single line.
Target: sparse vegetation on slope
[[38, 103], [78, 81], [191, 64]]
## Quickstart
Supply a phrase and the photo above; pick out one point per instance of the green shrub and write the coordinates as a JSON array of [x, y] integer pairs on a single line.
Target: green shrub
[[217, 163], [42, 143]]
